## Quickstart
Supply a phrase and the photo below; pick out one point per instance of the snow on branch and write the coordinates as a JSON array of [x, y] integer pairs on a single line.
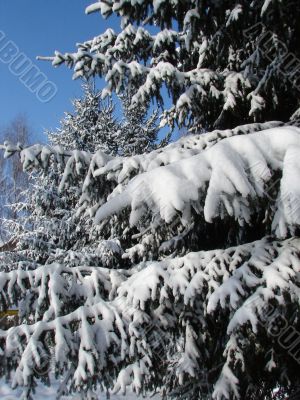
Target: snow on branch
[[74, 162], [108, 184], [59, 285], [209, 78], [223, 180], [122, 168], [118, 341]]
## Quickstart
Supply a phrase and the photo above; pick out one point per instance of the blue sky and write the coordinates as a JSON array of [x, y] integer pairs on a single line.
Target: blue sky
[[38, 27]]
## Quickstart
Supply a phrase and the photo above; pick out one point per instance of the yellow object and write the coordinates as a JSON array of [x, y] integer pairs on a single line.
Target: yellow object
[[8, 313]]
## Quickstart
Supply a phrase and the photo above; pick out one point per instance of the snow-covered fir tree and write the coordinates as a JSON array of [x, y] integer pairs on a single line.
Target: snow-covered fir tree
[[224, 63], [139, 132], [91, 126], [175, 314], [48, 226], [203, 301]]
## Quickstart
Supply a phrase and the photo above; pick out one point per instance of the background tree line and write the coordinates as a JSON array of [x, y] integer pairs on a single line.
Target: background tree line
[[12, 177]]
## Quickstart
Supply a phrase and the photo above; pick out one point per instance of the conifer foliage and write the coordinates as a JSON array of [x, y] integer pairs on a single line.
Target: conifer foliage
[[224, 63], [173, 314], [139, 132], [48, 225], [91, 126], [183, 276]]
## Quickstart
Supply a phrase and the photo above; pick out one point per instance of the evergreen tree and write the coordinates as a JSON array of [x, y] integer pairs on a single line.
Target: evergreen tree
[[139, 132], [47, 226], [223, 63], [92, 126], [187, 323], [203, 300]]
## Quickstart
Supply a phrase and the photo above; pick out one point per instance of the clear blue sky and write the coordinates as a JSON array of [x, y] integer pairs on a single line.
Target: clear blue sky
[[38, 27]]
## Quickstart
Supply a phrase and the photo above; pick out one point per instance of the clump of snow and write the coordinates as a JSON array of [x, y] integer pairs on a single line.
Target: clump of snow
[[49, 393], [221, 180]]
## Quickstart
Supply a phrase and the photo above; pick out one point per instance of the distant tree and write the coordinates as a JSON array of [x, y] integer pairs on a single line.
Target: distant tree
[[91, 126], [12, 177], [139, 131], [49, 223], [50, 226], [94, 126]]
